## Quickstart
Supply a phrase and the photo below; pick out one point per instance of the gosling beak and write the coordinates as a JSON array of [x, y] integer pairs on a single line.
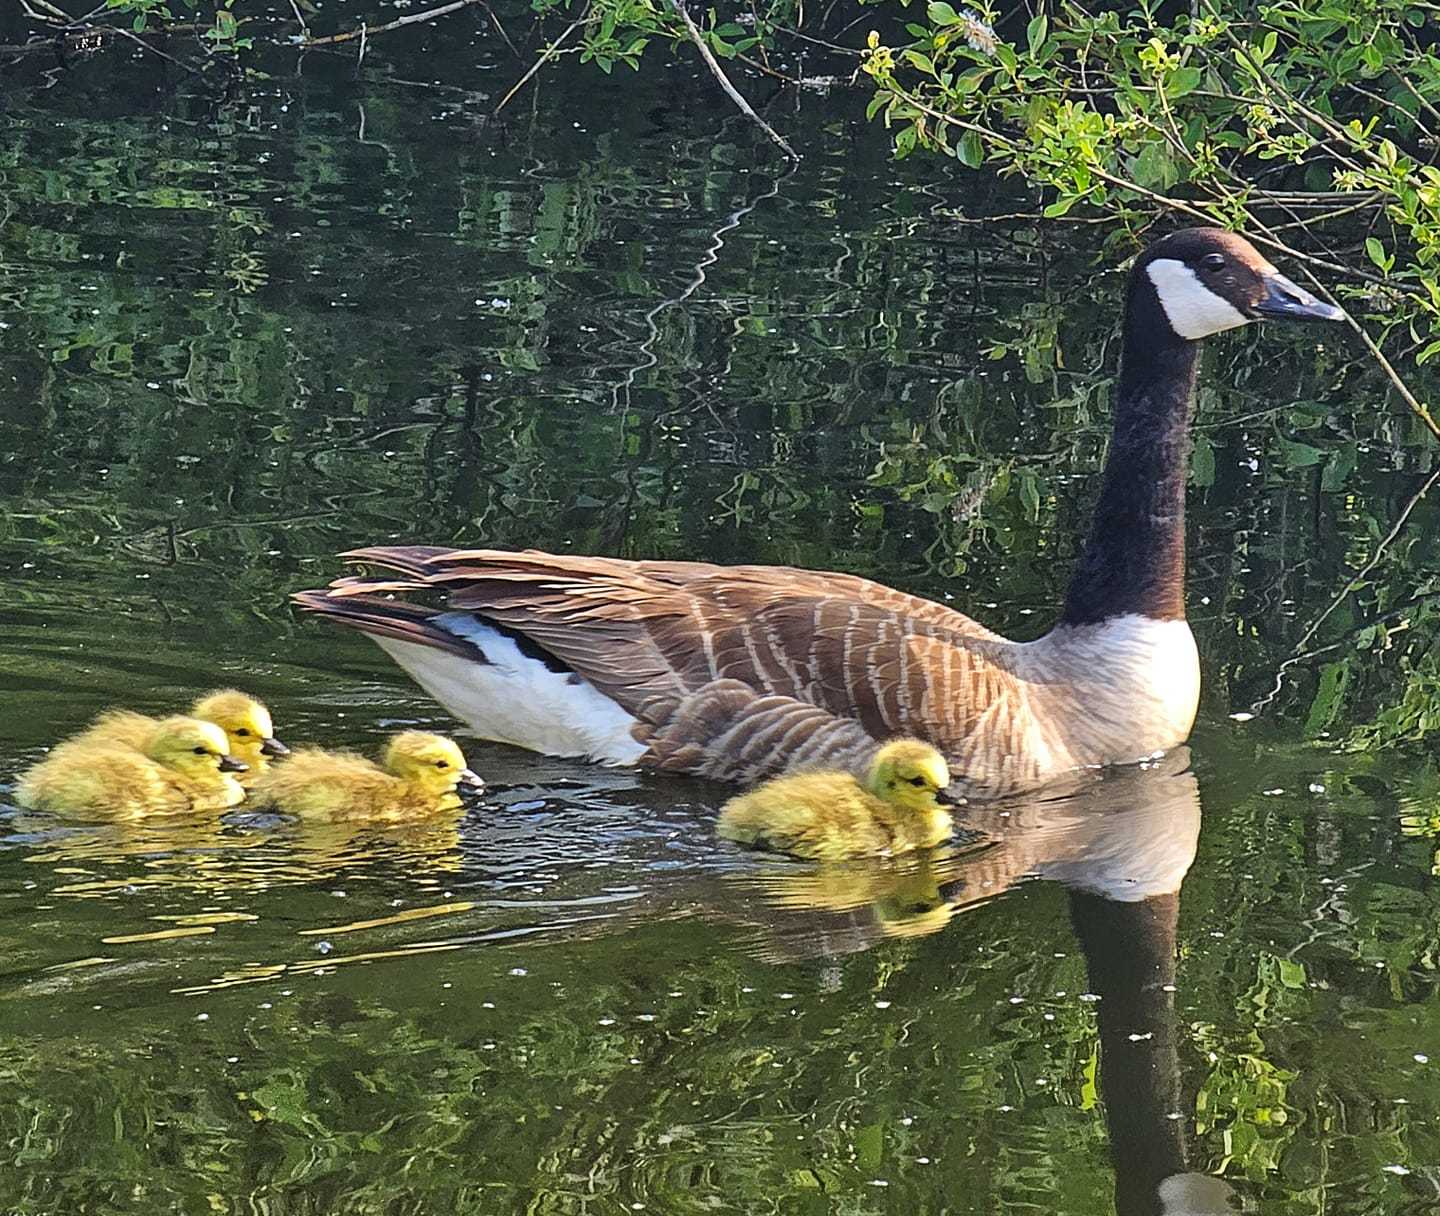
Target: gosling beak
[[228, 764], [273, 747], [472, 780], [945, 798], [1287, 301]]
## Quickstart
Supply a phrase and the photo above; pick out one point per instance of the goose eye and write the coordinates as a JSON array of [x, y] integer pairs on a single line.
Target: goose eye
[[916, 781], [243, 732], [442, 764], [200, 751], [1213, 261]]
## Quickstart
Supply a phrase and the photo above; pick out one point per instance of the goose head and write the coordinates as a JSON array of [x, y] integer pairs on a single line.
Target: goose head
[[909, 774], [1203, 281], [194, 748], [433, 763], [247, 723]]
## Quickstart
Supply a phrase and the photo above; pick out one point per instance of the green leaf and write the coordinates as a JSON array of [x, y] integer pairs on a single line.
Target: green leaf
[[1202, 462], [1060, 206], [1298, 455], [1036, 32], [970, 152], [1292, 974], [1376, 253], [1338, 469], [921, 61], [1154, 167], [1183, 81], [1029, 494], [969, 81], [942, 14], [1334, 679]]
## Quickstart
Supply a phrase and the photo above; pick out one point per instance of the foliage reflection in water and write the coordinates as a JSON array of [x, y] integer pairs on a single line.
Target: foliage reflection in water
[[265, 334]]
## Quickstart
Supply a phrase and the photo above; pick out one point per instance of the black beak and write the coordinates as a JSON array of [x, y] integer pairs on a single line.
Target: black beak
[[472, 780], [228, 764], [1286, 301], [946, 798], [273, 747]]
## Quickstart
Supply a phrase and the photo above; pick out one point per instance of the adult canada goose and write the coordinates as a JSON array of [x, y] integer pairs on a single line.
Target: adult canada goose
[[738, 673]]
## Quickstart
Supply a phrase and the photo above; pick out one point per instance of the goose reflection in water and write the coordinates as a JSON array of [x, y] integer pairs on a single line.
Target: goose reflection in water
[[1121, 845]]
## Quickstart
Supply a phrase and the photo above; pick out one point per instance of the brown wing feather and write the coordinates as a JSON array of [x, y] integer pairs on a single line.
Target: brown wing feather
[[734, 672], [347, 603]]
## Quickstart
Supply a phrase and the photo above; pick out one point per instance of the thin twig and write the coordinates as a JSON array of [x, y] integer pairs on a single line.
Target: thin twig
[[300, 17], [1297, 655], [30, 12], [545, 56], [730, 90], [155, 50], [430, 14], [490, 12]]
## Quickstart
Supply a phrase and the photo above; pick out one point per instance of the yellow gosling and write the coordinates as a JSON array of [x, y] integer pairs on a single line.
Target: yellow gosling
[[832, 815], [419, 774], [244, 720], [183, 765]]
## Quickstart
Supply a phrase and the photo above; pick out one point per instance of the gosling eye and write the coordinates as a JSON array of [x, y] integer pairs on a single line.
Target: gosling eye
[[442, 764], [916, 781], [1213, 261], [201, 751], [243, 732]]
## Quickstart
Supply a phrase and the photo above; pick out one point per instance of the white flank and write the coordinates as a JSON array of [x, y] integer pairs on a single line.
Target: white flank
[[516, 699], [1115, 692], [1194, 311]]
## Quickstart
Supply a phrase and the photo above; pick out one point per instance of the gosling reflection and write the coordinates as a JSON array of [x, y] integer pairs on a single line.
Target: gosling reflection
[[210, 856], [843, 909]]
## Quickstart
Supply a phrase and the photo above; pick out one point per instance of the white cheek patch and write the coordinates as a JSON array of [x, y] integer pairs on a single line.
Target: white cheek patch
[[1193, 310]]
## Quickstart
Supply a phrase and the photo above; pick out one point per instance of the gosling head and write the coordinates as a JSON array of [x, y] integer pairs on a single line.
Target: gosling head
[[431, 762], [194, 748], [247, 723], [1203, 281], [910, 774]]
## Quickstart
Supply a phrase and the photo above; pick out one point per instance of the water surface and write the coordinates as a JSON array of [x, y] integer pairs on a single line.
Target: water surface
[[240, 336]]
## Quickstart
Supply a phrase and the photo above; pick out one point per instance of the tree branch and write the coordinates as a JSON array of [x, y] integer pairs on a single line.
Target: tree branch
[[730, 90], [429, 14]]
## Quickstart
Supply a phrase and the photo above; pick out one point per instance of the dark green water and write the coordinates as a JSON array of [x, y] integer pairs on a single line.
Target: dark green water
[[239, 336]]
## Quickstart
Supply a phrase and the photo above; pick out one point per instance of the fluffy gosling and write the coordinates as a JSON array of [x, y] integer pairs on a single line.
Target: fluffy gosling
[[832, 815], [244, 720], [419, 774], [182, 765]]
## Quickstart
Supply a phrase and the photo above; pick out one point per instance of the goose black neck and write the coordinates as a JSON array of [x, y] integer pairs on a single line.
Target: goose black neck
[[1134, 558], [1130, 958]]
